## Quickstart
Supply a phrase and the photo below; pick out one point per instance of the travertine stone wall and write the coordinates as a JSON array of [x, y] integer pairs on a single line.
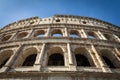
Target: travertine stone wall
[[65, 35]]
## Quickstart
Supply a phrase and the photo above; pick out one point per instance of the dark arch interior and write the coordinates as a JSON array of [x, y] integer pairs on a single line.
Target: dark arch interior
[[91, 35], [57, 33], [39, 33], [22, 35], [74, 34], [107, 36], [6, 38], [29, 61], [56, 60], [4, 62], [108, 62], [82, 60], [58, 20]]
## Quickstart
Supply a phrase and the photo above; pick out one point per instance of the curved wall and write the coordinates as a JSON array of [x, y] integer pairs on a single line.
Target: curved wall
[[51, 47]]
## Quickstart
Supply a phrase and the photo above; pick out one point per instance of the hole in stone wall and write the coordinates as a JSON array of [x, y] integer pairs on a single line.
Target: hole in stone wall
[[82, 60], [58, 20], [32, 22], [39, 33], [57, 33], [109, 37], [84, 22], [4, 62], [74, 34], [4, 57], [22, 35], [56, 59], [29, 61], [91, 35], [108, 62], [6, 38]]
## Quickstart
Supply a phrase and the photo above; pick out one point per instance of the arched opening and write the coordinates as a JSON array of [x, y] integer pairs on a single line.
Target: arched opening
[[92, 35], [4, 57], [109, 37], [57, 33], [4, 62], [29, 61], [27, 57], [109, 58], [39, 33], [82, 60], [57, 20], [56, 59], [74, 34], [84, 22], [6, 38], [108, 62], [22, 35]]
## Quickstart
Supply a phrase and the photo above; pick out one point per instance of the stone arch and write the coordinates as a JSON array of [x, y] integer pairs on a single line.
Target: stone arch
[[22, 35], [82, 56], [56, 33], [55, 57], [25, 57], [39, 33], [5, 56], [74, 34], [109, 36], [109, 58], [29, 61], [92, 35], [6, 37]]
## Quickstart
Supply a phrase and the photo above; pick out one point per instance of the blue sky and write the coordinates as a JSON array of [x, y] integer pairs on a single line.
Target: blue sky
[[13, 10]]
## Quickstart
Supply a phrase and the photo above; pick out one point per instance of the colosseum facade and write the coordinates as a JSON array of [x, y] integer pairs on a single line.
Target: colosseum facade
[[61, 47]]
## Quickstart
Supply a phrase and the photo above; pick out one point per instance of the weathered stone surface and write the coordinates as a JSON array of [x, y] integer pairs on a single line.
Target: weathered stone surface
[[62, 47]]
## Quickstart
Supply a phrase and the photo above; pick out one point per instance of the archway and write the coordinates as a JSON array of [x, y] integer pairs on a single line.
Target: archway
[[29, 61], [56, 33], [56, 59], [5, 56], [82, 60]]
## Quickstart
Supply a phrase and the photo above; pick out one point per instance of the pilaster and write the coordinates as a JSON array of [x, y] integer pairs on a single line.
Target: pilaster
[[116, 37], [72, 67], [39, 59], [83, 34], [103, 66], [31, 33], [66, 32], [101, 35], [48, 32]]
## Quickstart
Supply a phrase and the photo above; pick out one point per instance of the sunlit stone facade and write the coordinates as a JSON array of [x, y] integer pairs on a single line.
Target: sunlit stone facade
[[62, 47]]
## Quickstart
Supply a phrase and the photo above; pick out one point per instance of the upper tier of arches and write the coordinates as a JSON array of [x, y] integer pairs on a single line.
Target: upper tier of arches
[[60, 19]]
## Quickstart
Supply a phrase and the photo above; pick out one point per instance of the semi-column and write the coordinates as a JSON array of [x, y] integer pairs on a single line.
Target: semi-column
[[72, 67], [116, 37], [66, 32], [31, 33], [100, 34], [93, 56], [103, 66], [48, 32], [83, 34], [39, 59], [118, 53]]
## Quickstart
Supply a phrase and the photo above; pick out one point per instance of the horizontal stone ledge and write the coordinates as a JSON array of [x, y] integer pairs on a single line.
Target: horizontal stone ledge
[[66, 73], [63, 40]]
